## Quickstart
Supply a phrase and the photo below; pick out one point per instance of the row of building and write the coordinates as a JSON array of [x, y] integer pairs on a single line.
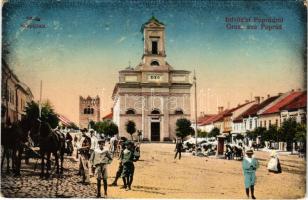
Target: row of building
[[14, 98], [273, 110]]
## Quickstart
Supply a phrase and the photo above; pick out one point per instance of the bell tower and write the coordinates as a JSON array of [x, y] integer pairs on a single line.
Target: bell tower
[[154, 43]]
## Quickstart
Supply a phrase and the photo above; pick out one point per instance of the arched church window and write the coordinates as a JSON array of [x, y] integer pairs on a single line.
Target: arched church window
[[154, 63], [179, 112], [130, 111], [85, 111], [155, 112], [91, 110]]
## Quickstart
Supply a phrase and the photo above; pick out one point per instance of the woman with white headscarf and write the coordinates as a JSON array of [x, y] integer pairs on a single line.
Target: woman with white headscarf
[[274, 164]]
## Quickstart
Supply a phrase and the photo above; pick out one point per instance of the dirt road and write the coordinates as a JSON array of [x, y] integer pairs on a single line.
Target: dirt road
[[158, 175]]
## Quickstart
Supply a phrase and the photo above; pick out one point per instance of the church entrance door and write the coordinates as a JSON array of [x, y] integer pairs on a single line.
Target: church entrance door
[[155, 131]]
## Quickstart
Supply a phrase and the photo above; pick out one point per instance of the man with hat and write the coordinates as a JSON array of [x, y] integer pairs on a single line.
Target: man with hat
[[83, 150], [250, 165], [100, 157]]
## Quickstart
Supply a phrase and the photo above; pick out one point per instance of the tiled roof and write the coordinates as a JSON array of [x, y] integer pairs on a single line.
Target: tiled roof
[[204, 118], [234, 109], [214, 118], [298, 102], [108, 116], [252, 111], [283, 102]]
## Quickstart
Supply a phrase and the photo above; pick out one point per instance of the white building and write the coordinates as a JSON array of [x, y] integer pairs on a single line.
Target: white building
[[152, 94]]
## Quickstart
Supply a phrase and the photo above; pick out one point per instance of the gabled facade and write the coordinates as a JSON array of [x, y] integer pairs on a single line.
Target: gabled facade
[[152, 94], [270, 114], [296, 109], [228, 126]]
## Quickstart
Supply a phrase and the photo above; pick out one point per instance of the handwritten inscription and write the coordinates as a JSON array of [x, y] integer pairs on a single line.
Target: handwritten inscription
[[30, 23]]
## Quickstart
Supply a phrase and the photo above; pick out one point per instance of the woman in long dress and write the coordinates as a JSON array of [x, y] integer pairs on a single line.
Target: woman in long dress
[[250, 165], [274, 164]]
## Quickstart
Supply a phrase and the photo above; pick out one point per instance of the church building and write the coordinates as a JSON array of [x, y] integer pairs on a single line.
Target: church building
[[152, 94]]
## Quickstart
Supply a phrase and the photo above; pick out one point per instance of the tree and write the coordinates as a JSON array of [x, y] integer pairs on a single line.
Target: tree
[[72, 125], [107, 127], [183, 128], [111, 128], [202, 133], [270, 134], [287, 132], [251, 135], [301, 133], [92, 124], [214, 132], [130, 128], [47, 114], [239, 137]]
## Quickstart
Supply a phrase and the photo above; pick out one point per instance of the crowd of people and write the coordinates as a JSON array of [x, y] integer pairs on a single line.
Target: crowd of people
[[94, 158]]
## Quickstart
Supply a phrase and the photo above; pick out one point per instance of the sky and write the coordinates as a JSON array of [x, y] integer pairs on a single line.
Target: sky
[[77, 47]]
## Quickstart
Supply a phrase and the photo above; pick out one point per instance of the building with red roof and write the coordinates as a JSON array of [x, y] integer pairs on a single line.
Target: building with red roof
[[295, 109], [228, 126], [108, 116], [248, 120], [270, 114]]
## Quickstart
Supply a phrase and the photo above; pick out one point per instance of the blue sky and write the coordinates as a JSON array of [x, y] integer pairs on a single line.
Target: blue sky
[[85, 43]]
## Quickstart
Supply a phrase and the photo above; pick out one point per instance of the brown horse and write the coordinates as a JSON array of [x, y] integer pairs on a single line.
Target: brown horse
[[13, 139], [50, 142]]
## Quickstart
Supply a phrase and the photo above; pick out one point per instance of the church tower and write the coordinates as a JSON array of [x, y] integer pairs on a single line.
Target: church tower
[[154, 43], [89, 110], [154, 54]]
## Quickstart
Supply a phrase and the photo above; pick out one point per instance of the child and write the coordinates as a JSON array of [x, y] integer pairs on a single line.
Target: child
[[99, 159], [128, 165], [250, 166]]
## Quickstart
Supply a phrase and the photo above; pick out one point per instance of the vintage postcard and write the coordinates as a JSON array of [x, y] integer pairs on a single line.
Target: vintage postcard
[[164, 99]]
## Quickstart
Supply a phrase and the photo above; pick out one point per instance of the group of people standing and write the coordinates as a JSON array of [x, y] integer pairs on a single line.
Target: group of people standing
[[94, 158]]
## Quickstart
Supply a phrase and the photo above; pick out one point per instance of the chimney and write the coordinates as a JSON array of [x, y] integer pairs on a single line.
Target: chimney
[[257, 99], [298, 89], [279, 94], [220, 109], [268, 96], [246, 101], [292, 90], [111, 110]]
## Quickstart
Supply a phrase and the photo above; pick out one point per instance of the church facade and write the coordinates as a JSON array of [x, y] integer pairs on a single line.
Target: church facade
[[152, 94]]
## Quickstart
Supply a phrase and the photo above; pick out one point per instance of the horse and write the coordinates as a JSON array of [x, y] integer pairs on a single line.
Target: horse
[[13, 143], [50, 142]]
